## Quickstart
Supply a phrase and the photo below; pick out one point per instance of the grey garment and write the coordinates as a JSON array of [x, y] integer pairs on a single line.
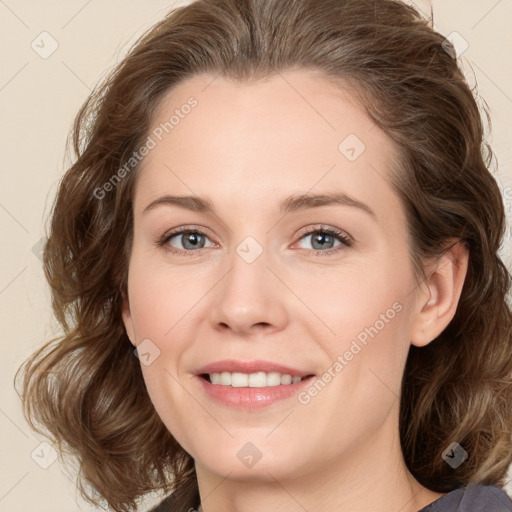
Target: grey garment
[[472, 498], [166, 505]]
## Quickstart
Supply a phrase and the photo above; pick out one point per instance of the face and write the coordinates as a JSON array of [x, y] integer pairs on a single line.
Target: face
[[264, 287]]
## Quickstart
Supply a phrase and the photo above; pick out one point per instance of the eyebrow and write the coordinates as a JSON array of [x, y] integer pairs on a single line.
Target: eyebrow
[[294, 203]]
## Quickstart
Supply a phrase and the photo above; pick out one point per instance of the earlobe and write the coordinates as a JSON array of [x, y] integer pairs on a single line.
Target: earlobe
[[440, 295], [127, 321]]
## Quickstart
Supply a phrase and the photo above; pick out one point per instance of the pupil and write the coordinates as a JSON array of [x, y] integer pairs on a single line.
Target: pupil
[[322, 239], [192, 238]]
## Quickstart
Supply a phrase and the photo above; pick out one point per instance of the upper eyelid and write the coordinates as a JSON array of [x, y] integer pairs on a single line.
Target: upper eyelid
[[308, 231]]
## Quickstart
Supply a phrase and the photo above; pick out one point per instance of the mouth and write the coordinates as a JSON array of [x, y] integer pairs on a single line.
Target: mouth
[[252, 374], [251, 385], [253, 380]]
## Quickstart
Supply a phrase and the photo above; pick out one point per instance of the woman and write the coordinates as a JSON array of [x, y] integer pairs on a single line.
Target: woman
[[275, 263]]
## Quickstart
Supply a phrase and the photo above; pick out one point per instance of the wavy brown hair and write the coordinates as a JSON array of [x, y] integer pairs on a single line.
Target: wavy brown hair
[[85, 389]]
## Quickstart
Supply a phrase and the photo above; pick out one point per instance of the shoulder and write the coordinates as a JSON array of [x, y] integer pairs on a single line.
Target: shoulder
[[167, 505], [171, 504], [472, 498]]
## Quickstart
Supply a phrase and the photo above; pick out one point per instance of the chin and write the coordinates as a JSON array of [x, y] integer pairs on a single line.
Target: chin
[[252, 457]]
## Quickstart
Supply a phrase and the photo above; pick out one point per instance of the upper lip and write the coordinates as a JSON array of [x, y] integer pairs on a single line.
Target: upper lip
[[231, 365]]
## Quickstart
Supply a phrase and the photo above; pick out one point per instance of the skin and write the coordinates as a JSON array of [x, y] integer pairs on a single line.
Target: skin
[[247, 148]]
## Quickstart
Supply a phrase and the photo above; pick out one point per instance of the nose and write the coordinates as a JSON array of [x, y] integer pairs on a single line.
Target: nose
[[249, 299]]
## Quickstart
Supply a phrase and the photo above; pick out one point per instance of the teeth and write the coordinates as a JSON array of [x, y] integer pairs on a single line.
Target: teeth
[[287, 379], [253, 380], [256, 380]]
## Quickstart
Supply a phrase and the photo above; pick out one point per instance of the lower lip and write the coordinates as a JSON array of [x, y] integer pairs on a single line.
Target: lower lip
[[251, 398]]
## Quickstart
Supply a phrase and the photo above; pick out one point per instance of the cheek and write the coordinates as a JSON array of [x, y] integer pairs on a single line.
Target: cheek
[[154, 308], [370, 354], [356, 299], [171, 402], [367, 365], [160, 296], [368, 312]]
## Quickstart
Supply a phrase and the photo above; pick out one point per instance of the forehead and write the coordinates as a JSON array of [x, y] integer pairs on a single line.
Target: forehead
[[292, 132]]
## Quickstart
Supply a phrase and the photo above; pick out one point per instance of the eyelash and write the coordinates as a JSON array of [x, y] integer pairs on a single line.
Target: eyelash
[[336, 233]]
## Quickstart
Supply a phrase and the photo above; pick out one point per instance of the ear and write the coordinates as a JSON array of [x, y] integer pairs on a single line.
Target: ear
[[128, 322], [440, 294]]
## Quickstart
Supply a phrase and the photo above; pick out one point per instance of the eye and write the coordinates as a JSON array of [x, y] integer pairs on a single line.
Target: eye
[[190, 239], [324, 237]]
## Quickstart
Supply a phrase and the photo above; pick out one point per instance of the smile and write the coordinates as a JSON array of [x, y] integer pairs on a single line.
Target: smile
[[251, 380]]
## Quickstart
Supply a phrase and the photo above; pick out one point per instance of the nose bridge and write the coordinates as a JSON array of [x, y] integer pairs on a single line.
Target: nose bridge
[[249, 294]]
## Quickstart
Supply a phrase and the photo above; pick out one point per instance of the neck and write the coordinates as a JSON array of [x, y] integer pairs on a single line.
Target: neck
[[372, 476]]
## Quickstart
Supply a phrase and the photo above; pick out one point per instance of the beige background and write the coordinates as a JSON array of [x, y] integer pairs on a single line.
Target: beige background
[[38, 100]]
